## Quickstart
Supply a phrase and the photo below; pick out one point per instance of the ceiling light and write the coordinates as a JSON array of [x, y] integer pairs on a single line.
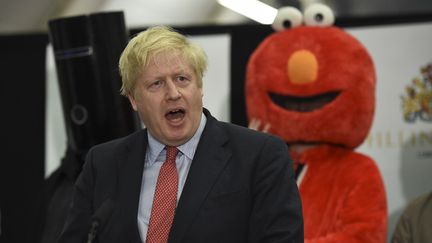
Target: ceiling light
[[252, 9]]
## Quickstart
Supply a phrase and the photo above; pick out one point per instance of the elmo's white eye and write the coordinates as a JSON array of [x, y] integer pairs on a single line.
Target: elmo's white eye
[[287, 17], [318, 15]]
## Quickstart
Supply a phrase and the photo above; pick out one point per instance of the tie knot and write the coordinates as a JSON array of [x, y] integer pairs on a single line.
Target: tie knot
[[171, 153]]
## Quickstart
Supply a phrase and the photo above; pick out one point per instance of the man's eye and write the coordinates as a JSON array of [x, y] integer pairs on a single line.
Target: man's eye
[[182, 79], [156, 83]]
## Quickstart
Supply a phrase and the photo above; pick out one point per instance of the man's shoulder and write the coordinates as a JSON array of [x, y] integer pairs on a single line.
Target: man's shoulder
[[239, 134], [417, 206], [247, 134]]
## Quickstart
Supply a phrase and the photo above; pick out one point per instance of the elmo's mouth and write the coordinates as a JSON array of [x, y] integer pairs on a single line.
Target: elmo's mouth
[[305, 103]]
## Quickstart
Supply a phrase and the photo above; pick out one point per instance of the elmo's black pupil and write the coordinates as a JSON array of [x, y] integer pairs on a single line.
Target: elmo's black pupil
[[286, 24], [319, 17]]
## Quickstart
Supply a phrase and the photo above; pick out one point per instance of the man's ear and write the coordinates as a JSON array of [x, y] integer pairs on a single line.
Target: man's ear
[[133, 102]]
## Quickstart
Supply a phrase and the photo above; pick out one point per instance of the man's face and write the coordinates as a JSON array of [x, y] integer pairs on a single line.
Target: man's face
[[168, 99]]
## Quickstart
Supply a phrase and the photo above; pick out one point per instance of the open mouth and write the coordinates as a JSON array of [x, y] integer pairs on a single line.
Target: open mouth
[[303, 104], [175, 114]]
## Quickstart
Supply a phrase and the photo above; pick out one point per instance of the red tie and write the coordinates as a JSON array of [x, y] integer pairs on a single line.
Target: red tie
[[165, 200]]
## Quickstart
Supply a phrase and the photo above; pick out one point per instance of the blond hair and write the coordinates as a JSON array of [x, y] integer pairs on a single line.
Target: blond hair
[[151, 42]]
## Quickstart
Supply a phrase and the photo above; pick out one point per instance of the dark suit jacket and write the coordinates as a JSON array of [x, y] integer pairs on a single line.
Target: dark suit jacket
[[240, 188]]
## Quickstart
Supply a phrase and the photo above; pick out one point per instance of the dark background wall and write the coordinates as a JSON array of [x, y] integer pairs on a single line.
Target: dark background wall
[[22, 106]]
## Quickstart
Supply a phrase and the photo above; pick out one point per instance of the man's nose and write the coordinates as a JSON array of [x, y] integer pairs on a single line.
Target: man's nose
[[172, 90]]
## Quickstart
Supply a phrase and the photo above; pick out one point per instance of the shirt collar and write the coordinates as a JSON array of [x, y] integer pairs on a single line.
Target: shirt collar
[[155, 148]]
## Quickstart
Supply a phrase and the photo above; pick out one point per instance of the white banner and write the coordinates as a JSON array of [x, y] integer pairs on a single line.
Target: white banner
[[400, 140]]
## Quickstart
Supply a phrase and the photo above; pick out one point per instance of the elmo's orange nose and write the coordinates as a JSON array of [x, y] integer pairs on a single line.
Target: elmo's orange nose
[[302, 67]]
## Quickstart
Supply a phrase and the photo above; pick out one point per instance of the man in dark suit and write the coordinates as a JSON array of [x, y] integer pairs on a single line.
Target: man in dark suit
[[187, 177]]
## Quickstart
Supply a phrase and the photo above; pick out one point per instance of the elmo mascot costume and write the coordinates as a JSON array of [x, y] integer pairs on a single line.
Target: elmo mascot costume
[[313, 85]]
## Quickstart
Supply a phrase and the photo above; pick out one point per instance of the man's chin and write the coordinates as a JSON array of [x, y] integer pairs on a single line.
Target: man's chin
[[175, 138]]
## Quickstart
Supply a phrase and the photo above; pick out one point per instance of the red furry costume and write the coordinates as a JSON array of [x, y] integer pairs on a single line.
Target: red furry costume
[[315, 86]]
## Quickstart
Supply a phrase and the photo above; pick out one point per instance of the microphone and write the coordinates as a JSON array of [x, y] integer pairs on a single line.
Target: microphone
[[99, 218]]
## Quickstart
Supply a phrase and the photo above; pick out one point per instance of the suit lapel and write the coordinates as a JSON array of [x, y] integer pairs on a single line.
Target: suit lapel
[[130, 170], [209, 161]]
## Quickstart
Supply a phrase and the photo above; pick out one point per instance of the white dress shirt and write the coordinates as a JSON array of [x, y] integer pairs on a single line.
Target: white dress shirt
[[155, 156]]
